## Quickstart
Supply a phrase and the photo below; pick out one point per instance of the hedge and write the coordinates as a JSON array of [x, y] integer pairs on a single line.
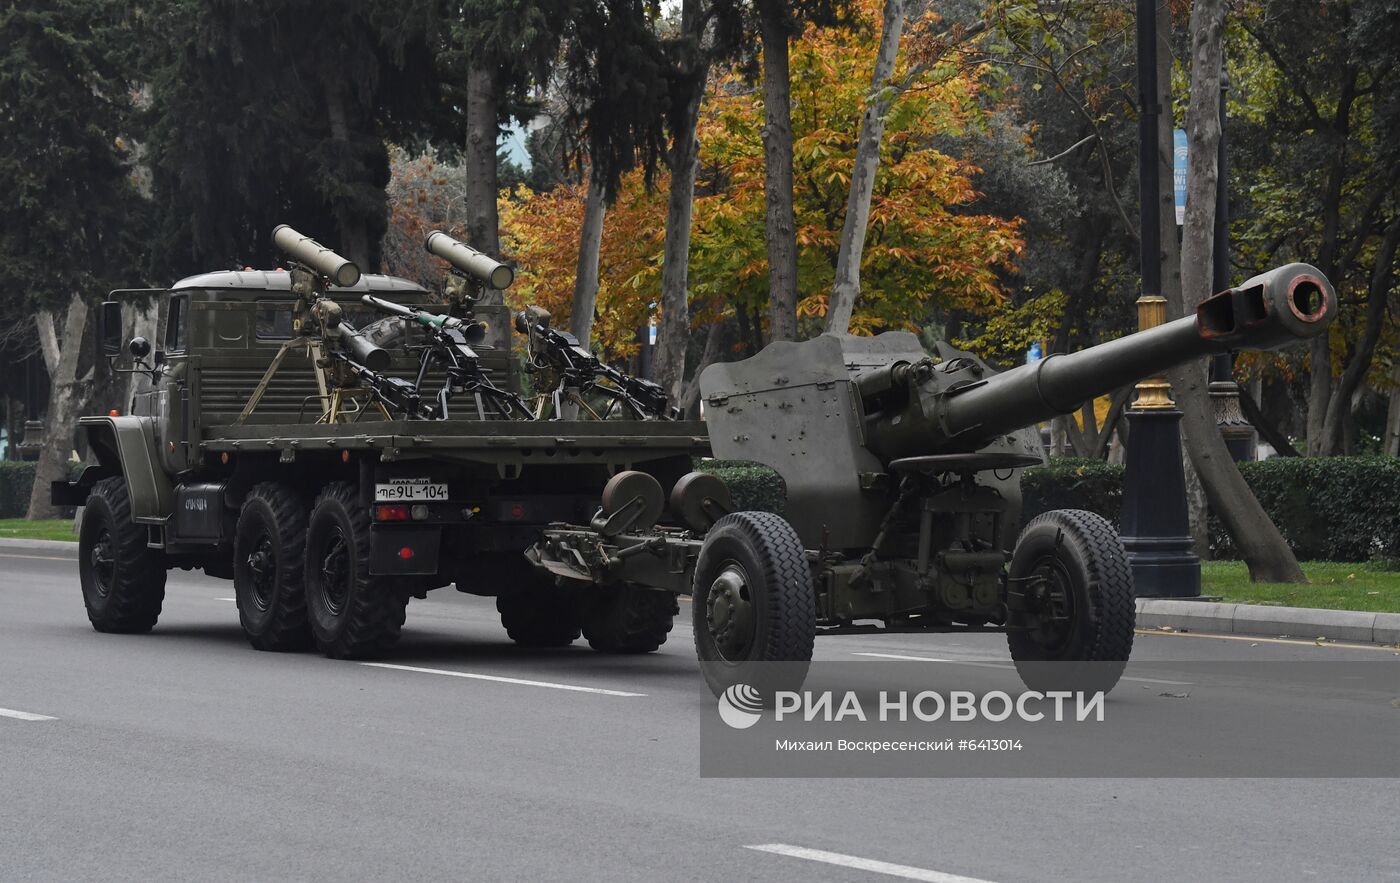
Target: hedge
[[1327, 508], [16, 480]]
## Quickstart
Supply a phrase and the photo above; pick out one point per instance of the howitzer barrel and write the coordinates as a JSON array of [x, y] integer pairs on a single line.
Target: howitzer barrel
[[1271, 310], [469, 260], [305, 250]]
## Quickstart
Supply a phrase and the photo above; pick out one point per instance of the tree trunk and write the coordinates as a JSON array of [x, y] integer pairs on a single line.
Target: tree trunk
[[351, 228], [1390, 445], [483, 225], [673, 335], [590, 242], [846, 288], [67, 395], [1188, 283], [144, 322], [716, 344], [777, 179], [1339, 405]]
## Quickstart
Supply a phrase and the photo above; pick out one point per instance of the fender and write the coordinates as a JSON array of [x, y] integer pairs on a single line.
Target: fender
[[124, 446]]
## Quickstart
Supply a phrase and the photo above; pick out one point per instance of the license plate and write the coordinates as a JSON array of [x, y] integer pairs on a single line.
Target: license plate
[[409, 489]]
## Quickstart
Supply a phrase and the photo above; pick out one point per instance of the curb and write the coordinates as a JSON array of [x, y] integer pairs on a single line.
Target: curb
[[1253, 619], [66, 548]]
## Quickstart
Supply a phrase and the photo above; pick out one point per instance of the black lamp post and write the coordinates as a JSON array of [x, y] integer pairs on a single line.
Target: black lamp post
[[1155, 526]]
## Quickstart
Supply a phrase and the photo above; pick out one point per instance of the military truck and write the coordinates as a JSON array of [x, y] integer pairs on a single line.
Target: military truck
[[281, 447]]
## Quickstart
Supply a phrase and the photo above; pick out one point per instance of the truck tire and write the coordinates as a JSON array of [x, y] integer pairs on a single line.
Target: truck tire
[[753, 605], [269, 554], [352, 613], [1074, 572], [123, 581], [534, 611], [627, 618]]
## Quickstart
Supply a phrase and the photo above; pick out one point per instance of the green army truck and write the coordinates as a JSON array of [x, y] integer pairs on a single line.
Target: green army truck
[[247, 460]]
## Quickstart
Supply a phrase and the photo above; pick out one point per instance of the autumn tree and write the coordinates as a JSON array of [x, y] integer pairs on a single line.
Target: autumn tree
[[1315, 145]]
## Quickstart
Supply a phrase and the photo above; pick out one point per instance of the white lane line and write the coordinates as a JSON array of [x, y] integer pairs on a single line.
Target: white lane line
[[25, 715], [907, 872], [1005, 665], [500, 680], [234, 600], [36, 557]]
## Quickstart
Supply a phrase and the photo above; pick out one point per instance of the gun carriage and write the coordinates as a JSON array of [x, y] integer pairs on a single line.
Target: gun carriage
[[305, 436]]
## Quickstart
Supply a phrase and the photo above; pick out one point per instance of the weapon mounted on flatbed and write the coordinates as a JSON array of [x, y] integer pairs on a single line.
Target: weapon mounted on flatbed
[[580, 372]]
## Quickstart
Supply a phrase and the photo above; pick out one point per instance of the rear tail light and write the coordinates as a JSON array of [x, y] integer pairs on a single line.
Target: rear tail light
[[391, 513]]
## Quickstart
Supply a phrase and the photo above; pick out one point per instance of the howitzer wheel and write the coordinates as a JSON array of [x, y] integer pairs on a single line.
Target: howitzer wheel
[[754, 605], [1074, 610]]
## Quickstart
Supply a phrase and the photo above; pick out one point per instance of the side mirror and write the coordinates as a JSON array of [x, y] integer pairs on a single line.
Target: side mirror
[[109, 328], [139, 348]]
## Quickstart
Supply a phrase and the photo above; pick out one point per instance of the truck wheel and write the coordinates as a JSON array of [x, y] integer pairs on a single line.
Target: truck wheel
[[753, 603], [123, 581], [1078, 593], [627, 618], [269, 553], [352, 613], [536, 613]]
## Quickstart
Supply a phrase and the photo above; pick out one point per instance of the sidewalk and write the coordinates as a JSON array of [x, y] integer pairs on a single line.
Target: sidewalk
[[1265, 621]]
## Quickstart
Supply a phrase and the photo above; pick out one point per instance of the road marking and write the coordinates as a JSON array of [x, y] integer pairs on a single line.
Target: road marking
[[500, 680], [906, 872], [25, 715], [1383, 648], [234, 600], [1005, 665], [36, 557]]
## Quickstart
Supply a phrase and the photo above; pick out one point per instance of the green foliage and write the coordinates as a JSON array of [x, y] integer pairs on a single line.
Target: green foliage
[[277, 111], [16, 481], [1070, 483], [70, 211], [1327, 508], [755, 488]]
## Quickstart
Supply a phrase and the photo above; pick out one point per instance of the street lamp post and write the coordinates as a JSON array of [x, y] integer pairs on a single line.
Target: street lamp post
[[1239, 436], [1155, 526]]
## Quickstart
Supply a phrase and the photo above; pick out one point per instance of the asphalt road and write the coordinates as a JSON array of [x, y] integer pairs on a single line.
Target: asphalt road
[[186, 755]]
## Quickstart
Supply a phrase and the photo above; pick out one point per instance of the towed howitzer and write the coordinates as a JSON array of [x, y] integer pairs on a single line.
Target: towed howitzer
[[843, 413], [580, 372], [902, 475], [449, 343]]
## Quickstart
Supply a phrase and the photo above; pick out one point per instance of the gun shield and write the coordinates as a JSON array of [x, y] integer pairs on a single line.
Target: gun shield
[[469, 260], [305, 250]]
